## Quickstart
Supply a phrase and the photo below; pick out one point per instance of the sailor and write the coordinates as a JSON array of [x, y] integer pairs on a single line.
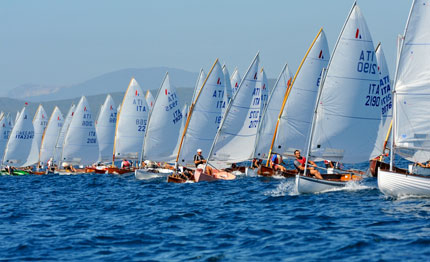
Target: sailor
[[50, 164], [426, 165], [68, 167], [200, 162], [125, 164], [256, 162], [300, 162], [276, 161], [199, 159]]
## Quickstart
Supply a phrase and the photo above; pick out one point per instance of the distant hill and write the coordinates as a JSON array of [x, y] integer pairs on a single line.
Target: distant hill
[[9, 105], [117, 81]]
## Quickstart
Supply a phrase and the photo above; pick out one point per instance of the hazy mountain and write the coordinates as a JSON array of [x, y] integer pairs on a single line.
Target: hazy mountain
[[9, 105], [117, 81]]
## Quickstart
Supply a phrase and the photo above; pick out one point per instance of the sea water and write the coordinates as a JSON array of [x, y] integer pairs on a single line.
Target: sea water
[[113, 218]]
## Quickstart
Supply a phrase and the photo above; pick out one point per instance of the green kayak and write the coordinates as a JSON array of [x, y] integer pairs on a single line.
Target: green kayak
[[15, 173]]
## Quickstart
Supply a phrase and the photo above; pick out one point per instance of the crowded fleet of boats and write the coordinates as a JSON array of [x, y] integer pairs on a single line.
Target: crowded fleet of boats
[[338, 107]]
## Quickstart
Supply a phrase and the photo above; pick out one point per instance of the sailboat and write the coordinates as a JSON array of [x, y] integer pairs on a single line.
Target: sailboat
[[18, 148], [40, 121], [235, 139], [385, 126], [60, 140], [228, 90], [164, 125], [50, 136], [5, 130], [268, 121], [410, 135], [202, 124], [347, 116], [149, 99], [235, 81], [80, 143], [105, 129], [130, 126]]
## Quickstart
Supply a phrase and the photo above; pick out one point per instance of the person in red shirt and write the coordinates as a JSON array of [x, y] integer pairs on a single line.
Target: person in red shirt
[[300, 162]]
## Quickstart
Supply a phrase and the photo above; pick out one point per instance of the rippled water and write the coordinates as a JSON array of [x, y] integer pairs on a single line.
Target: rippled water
[[108, 217]]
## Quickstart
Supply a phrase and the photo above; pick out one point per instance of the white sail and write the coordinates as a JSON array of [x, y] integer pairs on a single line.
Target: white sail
[[131, 123], [17, 116], [384, 93], [296, 117], [5, 130], [62, 135], [263, 85], [227, 83], [412, 87], [204, 117], [235, 81], [164, 124], [80, 144], [348, 113], [270, 115], [20, 142], [105, 128], [235, 140], [185, 111], [149, 99], [50, 136], [199, 84], [40, 121]]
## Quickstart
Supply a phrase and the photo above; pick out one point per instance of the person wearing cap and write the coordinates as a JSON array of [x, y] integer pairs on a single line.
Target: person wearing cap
[[198, 158], [50, 164]]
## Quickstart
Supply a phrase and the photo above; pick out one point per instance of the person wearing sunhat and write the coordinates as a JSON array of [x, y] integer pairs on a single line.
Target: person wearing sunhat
[[198, 158]]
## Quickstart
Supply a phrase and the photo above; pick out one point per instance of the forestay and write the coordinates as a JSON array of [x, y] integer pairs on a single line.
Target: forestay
[[80, 144], [235, 139], [131, 123], [296, 117], [235, 81], [348, 113], [50, 136], [385, 104], [270, 114], [164, 124], [204, 117], [18, 147], [412, 87], [62, 135], [105, 128]]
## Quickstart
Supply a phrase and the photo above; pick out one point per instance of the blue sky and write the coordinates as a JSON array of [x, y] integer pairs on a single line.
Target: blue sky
[[54, 42]]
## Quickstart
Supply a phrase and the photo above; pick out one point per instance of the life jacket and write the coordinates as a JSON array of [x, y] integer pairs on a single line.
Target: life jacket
[[126, 164], [278, 159], [302, 161]]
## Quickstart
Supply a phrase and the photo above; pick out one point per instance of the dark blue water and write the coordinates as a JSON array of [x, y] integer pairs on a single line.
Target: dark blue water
[[108, 217]]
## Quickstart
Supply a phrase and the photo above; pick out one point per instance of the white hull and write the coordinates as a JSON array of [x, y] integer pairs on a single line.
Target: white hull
[[142, 174], [395, 184], [306, 185]]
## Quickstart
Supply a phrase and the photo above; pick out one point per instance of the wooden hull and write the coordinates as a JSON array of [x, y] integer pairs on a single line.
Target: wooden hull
[[95, 170], [118, 171], [396, 184], [268, 172], [306, 185]]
